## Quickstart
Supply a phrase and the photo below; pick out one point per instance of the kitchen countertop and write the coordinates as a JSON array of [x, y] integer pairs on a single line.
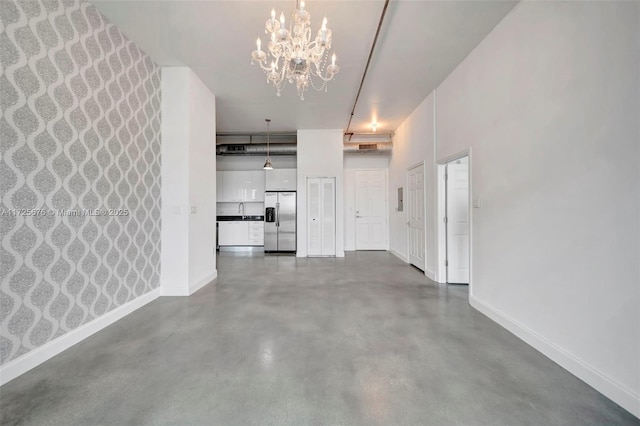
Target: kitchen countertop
[[240, 218]]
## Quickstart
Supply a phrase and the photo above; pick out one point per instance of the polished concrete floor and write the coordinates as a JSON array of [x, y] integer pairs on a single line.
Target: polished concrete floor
[[277, 340]]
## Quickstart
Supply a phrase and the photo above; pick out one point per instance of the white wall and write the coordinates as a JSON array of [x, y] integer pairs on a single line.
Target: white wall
[[188, 183], [202, 184], [319, 155], [353, 162], [549, 104], [413, 143], [174, 255]]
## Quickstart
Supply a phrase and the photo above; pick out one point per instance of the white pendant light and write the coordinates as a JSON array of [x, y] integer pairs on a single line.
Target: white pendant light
[[267, 164]]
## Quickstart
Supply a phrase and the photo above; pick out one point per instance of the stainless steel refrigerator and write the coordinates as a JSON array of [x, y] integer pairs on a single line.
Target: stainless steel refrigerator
[[280, 221]]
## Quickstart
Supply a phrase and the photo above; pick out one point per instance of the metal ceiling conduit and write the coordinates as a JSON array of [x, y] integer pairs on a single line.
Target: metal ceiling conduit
[[366, 68]]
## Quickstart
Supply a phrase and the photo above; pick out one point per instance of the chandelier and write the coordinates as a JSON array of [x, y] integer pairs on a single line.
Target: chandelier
[[293, 55]]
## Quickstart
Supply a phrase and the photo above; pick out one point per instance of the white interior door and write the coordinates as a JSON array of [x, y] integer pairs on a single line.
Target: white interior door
[[314, 217], [328, 217], [457, 223], [321, 217], [416, 217], [371, 210]]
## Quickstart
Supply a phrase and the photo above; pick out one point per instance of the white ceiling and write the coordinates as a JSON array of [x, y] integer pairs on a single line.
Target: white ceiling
[[420, 43]]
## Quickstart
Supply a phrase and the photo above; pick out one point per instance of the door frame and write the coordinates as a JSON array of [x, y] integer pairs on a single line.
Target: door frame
[[386, 201], [441, 212], [408, 203]]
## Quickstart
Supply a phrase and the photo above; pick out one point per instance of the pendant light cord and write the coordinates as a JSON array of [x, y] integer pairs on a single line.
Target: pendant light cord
[[268, 123]]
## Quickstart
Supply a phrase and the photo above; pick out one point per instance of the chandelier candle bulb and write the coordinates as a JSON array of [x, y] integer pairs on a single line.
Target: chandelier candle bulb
[[333, 58], [302, 5], [258, 44]]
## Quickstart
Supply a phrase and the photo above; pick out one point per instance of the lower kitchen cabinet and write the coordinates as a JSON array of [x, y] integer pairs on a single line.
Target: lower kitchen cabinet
[[227, 233], [241, 233], [256, 233]]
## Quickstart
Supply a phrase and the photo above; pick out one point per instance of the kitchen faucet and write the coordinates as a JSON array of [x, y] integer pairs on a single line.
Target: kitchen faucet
[[241, 209]]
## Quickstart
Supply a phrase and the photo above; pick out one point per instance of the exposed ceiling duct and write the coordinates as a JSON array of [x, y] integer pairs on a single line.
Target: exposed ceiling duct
[[367, 148], [368, 143], [256, 138], [256, 149], [283, 143]]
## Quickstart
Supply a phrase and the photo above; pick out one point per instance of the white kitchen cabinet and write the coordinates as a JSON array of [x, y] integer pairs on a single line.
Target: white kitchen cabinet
[[256, 233], [281, 180], [241, 233], [226, 233], [240, 186], [234, 185], [255, 190]]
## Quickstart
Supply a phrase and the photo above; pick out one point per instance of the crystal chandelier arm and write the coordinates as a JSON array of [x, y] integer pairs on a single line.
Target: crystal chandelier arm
[[331, 70], [263, 65], [327, 77]]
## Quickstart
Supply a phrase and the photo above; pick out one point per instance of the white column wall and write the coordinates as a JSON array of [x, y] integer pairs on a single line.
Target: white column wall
[[319, 155], [188, 183], [549, 105], [414, 143], [202, 184], [174, 256]]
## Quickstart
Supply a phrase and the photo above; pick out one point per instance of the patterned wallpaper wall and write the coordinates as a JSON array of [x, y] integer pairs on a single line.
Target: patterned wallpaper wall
[[79, 172]]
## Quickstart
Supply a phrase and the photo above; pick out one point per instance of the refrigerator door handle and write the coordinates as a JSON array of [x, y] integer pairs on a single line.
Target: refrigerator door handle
[[277, 214]]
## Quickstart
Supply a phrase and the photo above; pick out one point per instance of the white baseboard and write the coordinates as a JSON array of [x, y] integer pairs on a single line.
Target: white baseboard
[[199, 284], [26, 362], [431, 275], [613, 390], [399, 255], [173, 290]]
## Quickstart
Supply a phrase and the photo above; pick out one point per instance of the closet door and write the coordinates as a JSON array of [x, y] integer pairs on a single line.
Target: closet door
[[328, 217], [321, 217], [314, 217]]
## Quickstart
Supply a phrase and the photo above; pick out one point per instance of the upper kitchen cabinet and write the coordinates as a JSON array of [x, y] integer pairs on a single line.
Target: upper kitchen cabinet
[[255, 191], [234, 184], [281, 180], [240, 186]]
